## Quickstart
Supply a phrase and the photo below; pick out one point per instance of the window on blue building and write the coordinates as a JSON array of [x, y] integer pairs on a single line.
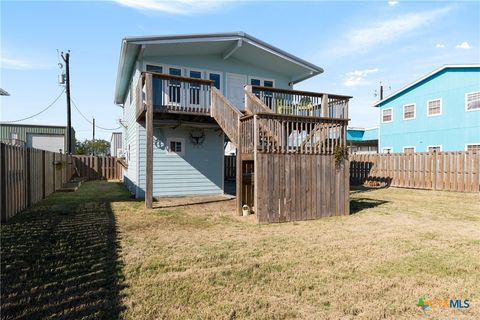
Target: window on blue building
[[472, 101]]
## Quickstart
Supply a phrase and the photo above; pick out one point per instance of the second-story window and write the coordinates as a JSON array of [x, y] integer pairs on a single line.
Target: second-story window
[[434, 107], [387, 115], [408, 112], [472, 101], [215, 77]]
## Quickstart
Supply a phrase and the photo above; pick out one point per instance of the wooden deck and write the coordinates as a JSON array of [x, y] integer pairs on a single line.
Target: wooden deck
[[288, 143]]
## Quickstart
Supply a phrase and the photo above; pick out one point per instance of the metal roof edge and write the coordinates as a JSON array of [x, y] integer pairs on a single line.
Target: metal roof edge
[[445, 66]]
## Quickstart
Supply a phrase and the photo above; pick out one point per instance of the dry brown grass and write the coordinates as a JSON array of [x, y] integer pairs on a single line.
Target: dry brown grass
[[203, 262]]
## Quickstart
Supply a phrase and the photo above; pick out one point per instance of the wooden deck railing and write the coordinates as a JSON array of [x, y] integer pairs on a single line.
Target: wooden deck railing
[[274, 133], [174, 94], [226, 115], [300, 103]]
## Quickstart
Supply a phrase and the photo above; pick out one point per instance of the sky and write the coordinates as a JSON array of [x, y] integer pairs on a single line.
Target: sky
[[359, 44]]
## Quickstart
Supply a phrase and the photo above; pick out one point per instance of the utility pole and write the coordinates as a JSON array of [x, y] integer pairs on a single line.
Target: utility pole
[[66, 59], [93, 136]]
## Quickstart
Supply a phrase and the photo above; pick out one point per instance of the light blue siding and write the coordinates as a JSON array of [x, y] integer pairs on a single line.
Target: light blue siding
[[130, 134], [454, 128], [216, 63], [198, 172]]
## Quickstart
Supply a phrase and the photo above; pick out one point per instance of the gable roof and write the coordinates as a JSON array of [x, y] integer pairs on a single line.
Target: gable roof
[[239, 45], [431, 74]]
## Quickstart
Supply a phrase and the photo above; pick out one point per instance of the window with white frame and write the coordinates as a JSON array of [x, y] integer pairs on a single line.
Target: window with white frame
[[472, 101], [437, 148], [434, 107], [408, 150], [216, 78], [386, 150], [473, 147], [409, 111], [176, 146], [387, 115]]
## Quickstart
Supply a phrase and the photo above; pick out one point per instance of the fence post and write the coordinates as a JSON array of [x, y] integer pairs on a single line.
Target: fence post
[[3, 181], [434, 170], [44, 178], [28, 174], [54, 173]]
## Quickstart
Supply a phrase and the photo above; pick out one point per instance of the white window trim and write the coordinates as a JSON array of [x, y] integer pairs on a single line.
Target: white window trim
[[381, 115], [222, 84], [441, 108], [414, 111], [466, 101], [407, 147], [262, 80], [435, 145], [171, 153], [471, 144], [385, 148]]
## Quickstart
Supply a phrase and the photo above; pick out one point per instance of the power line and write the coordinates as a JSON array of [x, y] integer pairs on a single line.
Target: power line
[[86, 119], [36, 114]]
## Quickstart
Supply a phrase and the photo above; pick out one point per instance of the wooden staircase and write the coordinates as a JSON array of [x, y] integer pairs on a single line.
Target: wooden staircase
[[227, 116]]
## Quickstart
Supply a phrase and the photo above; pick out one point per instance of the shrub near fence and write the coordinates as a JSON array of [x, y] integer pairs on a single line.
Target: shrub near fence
[[29, 175], [449, 171]]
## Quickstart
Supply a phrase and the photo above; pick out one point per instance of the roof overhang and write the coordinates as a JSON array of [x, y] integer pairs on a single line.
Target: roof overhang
[[444, 67], [237, 45]]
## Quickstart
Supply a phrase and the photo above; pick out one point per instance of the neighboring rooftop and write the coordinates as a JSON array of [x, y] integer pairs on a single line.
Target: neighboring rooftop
[[362, 134], [239, 45], [426, 77]]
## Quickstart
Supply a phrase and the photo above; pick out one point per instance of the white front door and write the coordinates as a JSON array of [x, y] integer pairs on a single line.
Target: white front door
[[235, 89]]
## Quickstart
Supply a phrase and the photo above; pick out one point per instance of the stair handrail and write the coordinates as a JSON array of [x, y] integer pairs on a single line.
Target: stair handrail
[[226, 115], [253, 104]]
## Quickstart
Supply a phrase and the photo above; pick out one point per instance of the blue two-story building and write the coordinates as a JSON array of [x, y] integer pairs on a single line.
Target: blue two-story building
[[438, 112]]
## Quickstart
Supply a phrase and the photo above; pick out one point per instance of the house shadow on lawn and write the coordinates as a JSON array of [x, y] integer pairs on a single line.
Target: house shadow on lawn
[[61, 261], [359, 204]]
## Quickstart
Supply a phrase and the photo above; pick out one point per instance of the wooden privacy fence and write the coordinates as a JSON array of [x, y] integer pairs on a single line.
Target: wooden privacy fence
[[98, 167], [449, 171], [30, 175]]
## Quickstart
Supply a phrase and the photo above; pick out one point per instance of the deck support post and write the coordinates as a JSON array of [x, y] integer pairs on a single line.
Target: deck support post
[[149, 149], [239, 172]]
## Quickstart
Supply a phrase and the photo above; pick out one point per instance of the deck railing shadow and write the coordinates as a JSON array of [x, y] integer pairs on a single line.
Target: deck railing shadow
[[62, 263]]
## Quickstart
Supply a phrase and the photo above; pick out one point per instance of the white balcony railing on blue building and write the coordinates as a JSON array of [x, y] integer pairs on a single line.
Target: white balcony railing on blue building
[[175, 94]]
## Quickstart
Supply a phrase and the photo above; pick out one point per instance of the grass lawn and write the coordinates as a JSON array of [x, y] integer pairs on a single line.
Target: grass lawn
[[95, 253]]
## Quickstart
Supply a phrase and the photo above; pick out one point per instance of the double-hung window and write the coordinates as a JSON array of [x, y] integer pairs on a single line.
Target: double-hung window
[[409, 111], [387, 115], [434, 107], [472, 101]]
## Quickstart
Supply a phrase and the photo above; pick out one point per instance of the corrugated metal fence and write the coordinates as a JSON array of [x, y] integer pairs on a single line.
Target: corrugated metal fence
[[449, 171], [29, 175]]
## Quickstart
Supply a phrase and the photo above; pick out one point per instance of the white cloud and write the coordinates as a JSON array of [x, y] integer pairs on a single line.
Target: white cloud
[[357, 77], [392, 3], [19, 64], [181, 7], [363, 39], [439, 45], [463, 45]]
